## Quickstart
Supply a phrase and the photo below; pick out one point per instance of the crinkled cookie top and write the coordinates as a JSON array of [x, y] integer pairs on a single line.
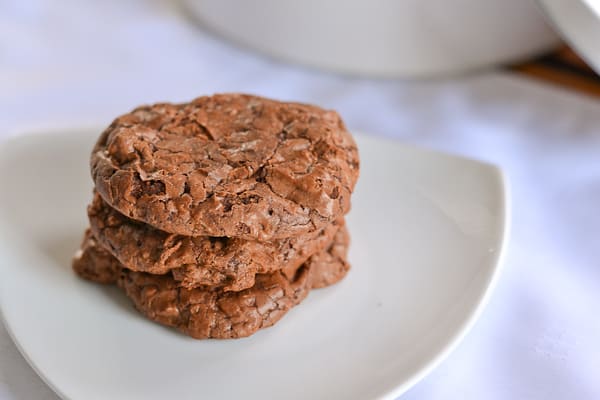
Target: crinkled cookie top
[[228, 165]]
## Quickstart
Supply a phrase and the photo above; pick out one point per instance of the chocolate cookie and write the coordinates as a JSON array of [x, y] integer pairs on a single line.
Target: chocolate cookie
[[214, 313], [228, 165], [199, 260], [94, 263], [329, 267]]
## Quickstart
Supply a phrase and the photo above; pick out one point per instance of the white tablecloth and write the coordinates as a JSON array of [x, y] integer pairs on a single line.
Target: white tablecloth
[[82, 62]]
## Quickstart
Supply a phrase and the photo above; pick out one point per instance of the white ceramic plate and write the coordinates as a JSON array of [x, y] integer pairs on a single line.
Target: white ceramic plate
[[428, 232]]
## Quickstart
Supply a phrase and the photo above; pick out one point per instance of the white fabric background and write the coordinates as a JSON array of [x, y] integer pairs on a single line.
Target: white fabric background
[[83, 62]]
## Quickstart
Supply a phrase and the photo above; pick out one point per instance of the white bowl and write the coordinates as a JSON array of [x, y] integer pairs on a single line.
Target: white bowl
[[579, 23], [388, 38]]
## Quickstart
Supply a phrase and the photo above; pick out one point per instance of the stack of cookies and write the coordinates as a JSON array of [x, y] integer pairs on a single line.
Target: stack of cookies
[[217, 216]]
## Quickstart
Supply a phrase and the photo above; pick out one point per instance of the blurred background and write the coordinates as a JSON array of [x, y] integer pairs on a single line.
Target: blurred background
[[92, 61], [502, 81]]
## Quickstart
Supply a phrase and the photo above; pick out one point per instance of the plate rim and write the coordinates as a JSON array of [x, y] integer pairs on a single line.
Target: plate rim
[[468, 324]]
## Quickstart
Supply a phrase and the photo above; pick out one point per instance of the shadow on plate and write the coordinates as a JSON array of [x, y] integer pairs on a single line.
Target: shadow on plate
[[117, 297], [61, 248]]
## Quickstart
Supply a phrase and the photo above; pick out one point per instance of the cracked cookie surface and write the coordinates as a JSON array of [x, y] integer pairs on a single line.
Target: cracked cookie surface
[[213, 313], [231, 263], [228, 165]]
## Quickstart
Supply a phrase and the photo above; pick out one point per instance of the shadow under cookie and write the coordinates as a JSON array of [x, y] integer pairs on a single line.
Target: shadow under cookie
[[208, 312]]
